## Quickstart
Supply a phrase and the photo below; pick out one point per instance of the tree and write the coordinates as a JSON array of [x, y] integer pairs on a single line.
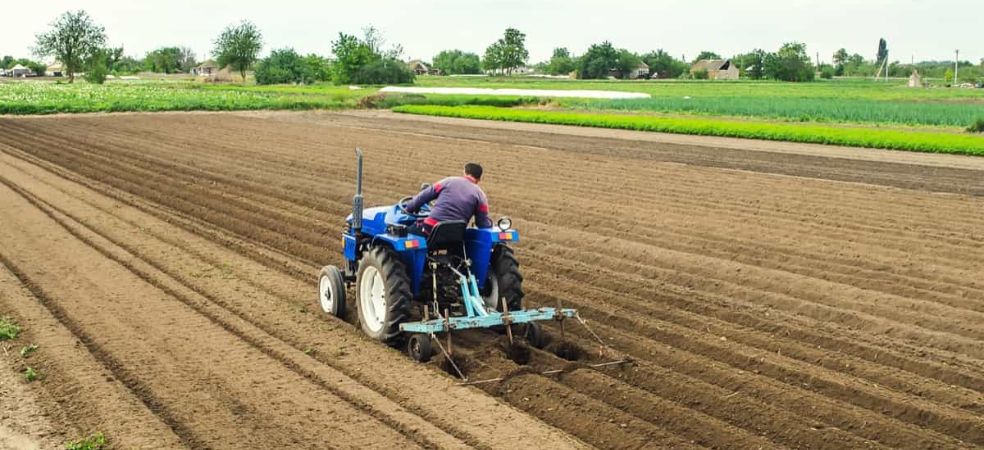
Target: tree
[[238, 47], [7, 62], [707, 55], [626, 63], [840, 61], [73, 39], [362, 61], [882, 52], [492, 61], [663, 65], [319, 67], [34, 66], [455, 62], [96, 67], [508, 53], [186, 59], [790, 63], [287, 66], [164, 60], [382, 71], [598, 61], [561, 63], [350, 55], [752, 63]]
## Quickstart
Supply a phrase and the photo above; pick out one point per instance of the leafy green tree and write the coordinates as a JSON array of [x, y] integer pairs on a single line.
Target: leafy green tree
[[319, 67], [627, 62], [238, 46], [287, 66], [350, 55], [751, 63], [507, 53], [598, 61], [7, 62], [840, 61], [561, 63], [282, 67], [707, 55], [73, 39], [384, 71], [492, 61], [790, 63], [456, 62], [96, 68], [663, 65], [827, 72], [164, 60]]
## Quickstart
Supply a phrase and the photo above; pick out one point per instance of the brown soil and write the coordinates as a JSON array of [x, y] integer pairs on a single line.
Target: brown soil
[[766, 298]]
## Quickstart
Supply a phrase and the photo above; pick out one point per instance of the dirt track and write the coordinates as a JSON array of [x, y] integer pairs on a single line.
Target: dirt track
[[800, 301]]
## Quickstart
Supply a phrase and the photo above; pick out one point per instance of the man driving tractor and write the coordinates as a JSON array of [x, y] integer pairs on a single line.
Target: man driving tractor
[[457, 198]]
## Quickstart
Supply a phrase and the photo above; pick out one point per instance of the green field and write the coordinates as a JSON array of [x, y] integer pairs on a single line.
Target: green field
[[42, 97], [939, 142], [841, 112]]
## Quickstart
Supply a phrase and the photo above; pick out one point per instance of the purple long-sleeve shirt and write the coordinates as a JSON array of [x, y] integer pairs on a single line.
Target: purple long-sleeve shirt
[[458, 198]]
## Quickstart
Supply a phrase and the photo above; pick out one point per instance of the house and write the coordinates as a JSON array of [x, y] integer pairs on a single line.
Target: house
[[55, 70], [915, 80], [3, 72], [20, 71], [419, 67], [717, 69], [641, 71], [205, 69]]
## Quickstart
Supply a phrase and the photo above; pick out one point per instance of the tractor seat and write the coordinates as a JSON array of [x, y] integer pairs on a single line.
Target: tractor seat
[[447, 234]]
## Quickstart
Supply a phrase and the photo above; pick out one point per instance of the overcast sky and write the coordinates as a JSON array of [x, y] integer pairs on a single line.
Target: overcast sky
[[923, 29]]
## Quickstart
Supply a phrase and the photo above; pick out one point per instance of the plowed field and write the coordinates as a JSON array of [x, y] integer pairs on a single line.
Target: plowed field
[[165, 264]]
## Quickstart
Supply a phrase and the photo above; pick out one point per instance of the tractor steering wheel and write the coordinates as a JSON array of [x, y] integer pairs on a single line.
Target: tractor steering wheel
[[402, 206]]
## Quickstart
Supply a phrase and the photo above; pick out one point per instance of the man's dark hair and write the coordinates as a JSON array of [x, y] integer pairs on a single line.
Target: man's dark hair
[[474, 170]]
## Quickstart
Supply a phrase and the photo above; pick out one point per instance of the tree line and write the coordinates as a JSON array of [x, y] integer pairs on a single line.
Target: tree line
[[76, 41]]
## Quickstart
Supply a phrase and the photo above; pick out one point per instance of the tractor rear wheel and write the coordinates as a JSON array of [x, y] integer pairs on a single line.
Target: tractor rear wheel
[[504, 280], [383, 290]]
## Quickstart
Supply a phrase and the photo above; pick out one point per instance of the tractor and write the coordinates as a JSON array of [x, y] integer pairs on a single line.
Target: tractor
[[410, 289]]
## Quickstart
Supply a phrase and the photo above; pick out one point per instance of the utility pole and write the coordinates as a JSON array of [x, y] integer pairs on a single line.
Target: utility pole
[[956, 66]]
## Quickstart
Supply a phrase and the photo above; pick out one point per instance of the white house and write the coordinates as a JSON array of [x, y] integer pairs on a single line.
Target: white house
[[20, 71]]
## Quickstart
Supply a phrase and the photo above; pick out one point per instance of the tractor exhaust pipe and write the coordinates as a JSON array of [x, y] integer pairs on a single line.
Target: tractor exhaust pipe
[[357, 200]]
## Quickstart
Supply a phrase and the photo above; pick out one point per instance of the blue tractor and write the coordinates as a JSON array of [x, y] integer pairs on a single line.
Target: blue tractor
[[410, 289]]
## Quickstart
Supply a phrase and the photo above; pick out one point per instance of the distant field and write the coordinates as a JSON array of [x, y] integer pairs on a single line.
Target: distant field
[[43, 97], [841, 112], [938, 142], [846, 101]]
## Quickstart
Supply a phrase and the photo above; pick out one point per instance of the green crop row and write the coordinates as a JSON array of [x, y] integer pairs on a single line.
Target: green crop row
[[49, 98], [922, 141], [803, 109]]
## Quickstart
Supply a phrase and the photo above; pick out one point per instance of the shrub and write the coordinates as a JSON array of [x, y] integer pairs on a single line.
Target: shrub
[[96, 70], [701, 74], [96, 441], [977, 126], [8, 329], [285, 66], [827, 73], [383, 71]]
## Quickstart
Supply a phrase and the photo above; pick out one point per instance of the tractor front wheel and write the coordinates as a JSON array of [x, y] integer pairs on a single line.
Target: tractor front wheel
[[383, 290], [331, 291], [504, 280]]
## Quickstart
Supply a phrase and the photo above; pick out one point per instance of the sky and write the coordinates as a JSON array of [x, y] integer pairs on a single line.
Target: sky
[[924, 30]]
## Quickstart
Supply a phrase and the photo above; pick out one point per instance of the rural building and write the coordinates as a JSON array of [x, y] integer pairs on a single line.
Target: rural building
[[19, 71], [55, 70], [205, 69], [419, 67], [717, 69], [640, 71], [915, 80]]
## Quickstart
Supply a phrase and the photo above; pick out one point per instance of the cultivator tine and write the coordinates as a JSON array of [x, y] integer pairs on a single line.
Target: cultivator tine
[[505, 319], [601, 342], [447, 356]]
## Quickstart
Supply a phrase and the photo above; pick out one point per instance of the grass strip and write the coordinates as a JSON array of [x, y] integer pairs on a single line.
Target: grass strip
[[921, 141]]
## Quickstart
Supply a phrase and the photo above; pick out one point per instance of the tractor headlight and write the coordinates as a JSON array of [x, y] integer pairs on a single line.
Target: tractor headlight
[[505, 224]]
